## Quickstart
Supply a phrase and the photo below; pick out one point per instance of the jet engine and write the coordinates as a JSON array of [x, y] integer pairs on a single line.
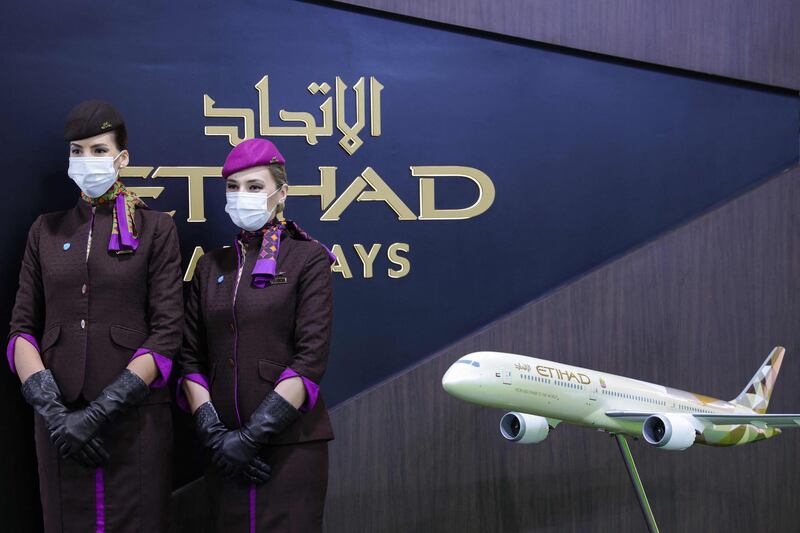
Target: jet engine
[[669, 431], [523, 428]]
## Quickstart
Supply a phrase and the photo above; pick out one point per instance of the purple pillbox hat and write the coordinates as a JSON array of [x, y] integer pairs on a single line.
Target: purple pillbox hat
[[251, 153]]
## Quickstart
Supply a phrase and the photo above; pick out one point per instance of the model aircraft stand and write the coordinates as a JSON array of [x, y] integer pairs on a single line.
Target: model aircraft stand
[[625, 450]]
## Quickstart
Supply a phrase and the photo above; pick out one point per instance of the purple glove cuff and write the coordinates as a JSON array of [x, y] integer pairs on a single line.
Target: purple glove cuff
[[163, 364], [312, 389], [180, 396], [13, 342]]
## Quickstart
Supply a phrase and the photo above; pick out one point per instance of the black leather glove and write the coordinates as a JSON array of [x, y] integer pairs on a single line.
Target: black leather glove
[[81, 426], [41, 391], [238, 447], [211, 432]]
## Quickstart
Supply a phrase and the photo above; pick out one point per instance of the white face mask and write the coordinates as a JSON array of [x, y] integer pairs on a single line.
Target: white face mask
[[94, 175], [248, 210]]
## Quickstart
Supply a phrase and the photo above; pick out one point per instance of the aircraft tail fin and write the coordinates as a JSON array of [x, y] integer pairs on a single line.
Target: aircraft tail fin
[[757, 393]]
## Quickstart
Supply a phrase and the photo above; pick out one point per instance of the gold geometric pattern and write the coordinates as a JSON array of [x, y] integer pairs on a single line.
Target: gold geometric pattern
[[757, 393]]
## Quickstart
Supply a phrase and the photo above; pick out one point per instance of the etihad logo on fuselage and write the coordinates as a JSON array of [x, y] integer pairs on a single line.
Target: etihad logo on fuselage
[[564, 375]]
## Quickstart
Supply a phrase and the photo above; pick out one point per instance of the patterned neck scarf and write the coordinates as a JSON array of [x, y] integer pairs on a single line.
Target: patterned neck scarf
[[266, 264], [123, 231]]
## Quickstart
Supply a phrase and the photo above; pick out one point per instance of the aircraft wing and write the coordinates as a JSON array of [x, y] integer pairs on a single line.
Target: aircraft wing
[[635, 416], [638, 416], [765, 420]]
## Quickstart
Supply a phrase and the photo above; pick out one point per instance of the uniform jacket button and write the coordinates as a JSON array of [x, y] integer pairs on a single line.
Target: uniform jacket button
[[232, 326], [83, 289], [230, 362], [83, 324]]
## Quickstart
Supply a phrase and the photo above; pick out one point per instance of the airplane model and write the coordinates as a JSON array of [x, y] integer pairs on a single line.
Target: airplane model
[[545, 393], [541, 394]]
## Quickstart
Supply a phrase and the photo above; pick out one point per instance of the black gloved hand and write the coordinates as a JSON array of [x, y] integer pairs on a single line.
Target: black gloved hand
[[81, 426], [41, 391], [212, 432], [238, 448], [92, 455]]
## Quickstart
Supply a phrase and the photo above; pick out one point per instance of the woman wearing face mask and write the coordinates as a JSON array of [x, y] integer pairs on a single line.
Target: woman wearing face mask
[[96, 323], [258, 326]]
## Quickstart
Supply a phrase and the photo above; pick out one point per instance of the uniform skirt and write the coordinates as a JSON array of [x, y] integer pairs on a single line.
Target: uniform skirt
[[130, 493], [293, 500]]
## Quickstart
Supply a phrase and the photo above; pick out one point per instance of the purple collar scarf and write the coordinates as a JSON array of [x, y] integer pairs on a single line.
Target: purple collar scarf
[[124, 238], [266, 265]]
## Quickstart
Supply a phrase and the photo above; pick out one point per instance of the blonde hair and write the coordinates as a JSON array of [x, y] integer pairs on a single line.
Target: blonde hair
[[278, 172]]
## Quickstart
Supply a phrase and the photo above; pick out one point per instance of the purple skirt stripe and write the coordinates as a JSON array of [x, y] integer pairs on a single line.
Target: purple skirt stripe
[[252, 508], [100, 502]]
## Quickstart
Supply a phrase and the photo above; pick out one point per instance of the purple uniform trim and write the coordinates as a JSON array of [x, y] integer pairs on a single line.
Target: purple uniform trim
[[312, 389], [163, 364], [180, 396], [252, 508], [13, 342], [266, 263], [263, 272], [100, 502], [124, 240], [236, 335]]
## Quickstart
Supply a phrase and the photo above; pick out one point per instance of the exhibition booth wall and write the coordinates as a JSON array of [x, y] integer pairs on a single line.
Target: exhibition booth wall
[[458, 175]]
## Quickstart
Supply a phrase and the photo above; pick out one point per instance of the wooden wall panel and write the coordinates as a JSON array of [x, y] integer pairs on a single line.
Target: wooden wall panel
[[698, 309], [744, 39]]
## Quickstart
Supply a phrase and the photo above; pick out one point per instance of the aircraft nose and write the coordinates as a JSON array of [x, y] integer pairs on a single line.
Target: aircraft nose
[[461, 380]]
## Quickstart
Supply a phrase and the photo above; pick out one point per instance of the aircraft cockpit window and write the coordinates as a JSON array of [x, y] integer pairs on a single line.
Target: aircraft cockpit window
[[476, 363], [465, 361]]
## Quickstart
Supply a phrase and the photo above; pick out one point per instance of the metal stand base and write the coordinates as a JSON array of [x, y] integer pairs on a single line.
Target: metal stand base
[[637, 483]]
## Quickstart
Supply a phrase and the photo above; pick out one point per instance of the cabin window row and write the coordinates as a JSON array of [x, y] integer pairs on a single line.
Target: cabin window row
[[529, 377], [694, 409], [565, 384], [634, 397]]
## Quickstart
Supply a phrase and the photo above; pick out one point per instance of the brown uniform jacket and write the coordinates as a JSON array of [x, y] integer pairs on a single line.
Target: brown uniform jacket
[[89, 317], [242, 349]]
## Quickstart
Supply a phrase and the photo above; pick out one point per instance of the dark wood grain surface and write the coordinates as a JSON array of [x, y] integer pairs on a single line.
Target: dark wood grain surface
[[744, 39], [697, 309]]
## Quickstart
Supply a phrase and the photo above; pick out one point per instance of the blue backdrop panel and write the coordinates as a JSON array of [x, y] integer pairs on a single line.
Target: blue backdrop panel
[[589, 157]]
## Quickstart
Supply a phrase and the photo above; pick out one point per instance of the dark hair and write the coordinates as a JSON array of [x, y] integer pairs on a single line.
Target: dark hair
[[121, 137]]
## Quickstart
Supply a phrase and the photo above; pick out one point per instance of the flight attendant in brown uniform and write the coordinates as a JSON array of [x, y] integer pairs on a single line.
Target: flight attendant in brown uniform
[[258, 328], [96, 323]]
